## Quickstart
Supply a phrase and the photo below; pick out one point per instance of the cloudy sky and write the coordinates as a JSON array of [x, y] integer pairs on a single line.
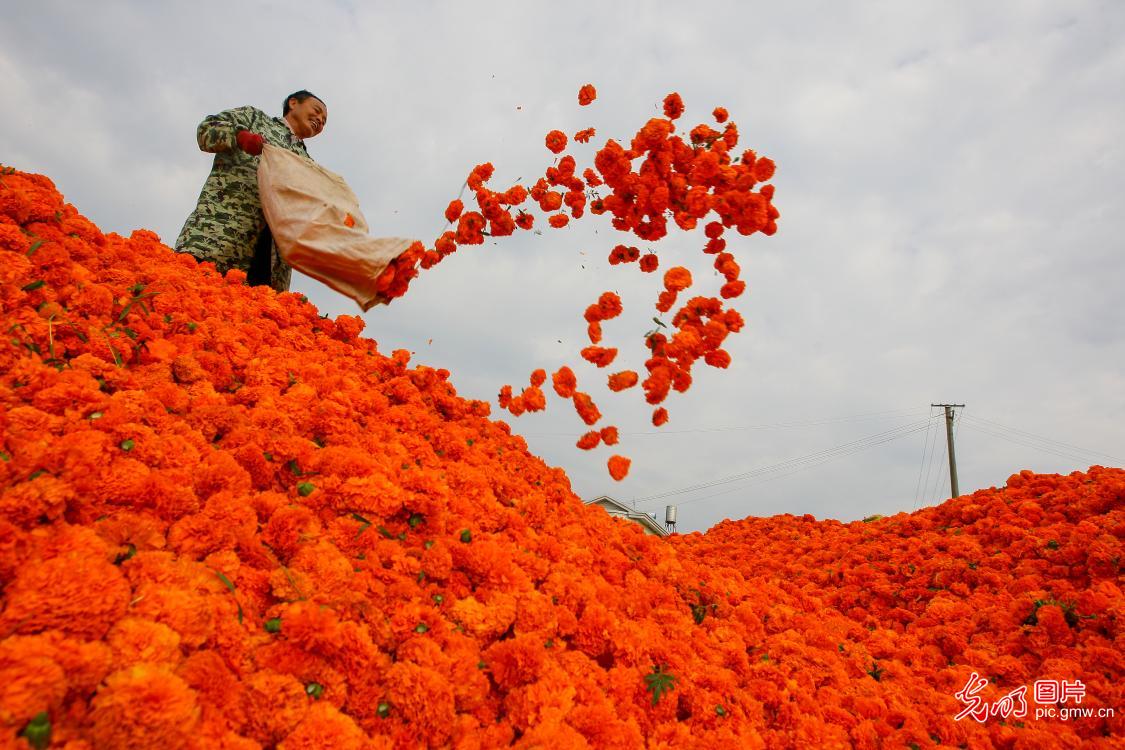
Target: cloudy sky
[[950, 181]]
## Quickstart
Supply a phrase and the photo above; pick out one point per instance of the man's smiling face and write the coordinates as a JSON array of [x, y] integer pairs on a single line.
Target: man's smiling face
[[308, 117]]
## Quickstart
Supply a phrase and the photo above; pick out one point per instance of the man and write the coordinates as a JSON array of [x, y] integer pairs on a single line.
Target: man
[[227, 226]]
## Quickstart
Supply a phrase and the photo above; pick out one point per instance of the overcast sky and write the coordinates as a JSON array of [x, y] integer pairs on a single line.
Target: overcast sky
[[950, 181]]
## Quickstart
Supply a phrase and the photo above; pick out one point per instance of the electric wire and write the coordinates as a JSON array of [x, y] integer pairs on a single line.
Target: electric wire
[[930, 464], [795, 466], [1068, 455], [739, 428], [922, 466], [828, 453], [1033, 439], [932, 495]]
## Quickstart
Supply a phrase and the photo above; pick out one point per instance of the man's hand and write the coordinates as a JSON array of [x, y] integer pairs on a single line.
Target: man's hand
[[249, 142]]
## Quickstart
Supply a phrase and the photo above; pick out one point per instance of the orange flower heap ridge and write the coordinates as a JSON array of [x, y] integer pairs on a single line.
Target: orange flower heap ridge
[[228, 522]]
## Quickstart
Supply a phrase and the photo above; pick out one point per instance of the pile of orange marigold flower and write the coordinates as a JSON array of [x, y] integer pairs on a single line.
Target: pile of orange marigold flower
[[228, 522], [700, 182]]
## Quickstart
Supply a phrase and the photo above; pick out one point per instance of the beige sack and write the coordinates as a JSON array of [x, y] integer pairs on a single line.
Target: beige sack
[[307, 209]]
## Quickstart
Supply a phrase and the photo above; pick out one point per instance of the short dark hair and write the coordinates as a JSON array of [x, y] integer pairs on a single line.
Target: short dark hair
[[300, 96]]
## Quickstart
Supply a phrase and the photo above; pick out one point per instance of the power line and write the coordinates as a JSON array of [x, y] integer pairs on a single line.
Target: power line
[[924, 498], [925, 449], [761, 474], [933, 496], [801, 461], [1048, 443], [738, 428], [1016, 440]]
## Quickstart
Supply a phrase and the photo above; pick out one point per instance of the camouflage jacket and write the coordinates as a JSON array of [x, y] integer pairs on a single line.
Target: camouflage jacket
[[226, 222]]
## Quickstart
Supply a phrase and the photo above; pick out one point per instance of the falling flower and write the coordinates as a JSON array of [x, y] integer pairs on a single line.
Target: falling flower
[[618, 467], [564, 382], [556, 141], [673, 106], [619, 381], [589, 440]]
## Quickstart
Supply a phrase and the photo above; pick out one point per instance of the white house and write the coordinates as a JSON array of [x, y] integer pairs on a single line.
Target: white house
[[621, 510]]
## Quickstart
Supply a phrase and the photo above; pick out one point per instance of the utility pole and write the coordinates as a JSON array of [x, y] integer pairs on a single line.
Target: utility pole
[[949, 441]]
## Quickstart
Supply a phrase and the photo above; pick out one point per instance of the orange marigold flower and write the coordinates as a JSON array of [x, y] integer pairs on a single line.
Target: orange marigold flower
[[665, 301], [732, 289], [480, 175], [717, 358], [144, 706], [677, 279], [610, 305], [587, 94], [673, 106], [618, 467], [623, 254], [591, 177], [533, 399], [727, 266], [649, 262], [590, 440], [730, 135], [525, 220], [715, 246], [538, 377], [720, 114], [763, 169], [584, 136], [514, 195], [660, 417], [619, 381], [586, 408], [564, 382], [558, 221], [594, 331], [556, 141], [453, 210], [446, 244], [349, 220], [470, 229], [609, 435], [704, 134], [576, 201], [551, 201], [599, 356]]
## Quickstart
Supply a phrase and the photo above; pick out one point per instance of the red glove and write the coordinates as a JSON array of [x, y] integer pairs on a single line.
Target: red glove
[[249, 142]]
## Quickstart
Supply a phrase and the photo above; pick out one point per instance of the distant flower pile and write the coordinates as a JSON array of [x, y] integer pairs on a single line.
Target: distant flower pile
[[1021, 584], [661, 178], [228, 522]]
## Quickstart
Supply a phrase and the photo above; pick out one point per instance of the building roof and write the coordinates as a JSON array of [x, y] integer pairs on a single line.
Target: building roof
[[618, 508]]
